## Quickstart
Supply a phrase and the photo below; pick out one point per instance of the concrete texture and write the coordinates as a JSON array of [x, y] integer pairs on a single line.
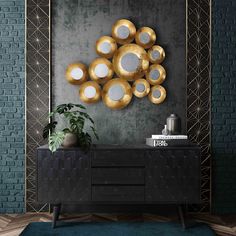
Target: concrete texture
[[77, 24]]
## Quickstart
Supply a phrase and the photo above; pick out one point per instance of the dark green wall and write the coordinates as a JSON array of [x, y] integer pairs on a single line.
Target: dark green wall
[[76, 27], [224, 105]]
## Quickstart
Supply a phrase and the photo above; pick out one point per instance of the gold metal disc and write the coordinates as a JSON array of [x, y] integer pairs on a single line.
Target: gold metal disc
[[141, 88], [106, 46], [90, 92], [76, 73], [130, 62], [145, 37], [156, 74], [156, 54], [157, 94], [117, 93], [101, 70], [123, 31]]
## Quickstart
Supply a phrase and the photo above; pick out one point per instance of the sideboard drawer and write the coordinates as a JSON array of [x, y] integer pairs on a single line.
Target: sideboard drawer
[[118, 193], [118, 175], [118, 158]]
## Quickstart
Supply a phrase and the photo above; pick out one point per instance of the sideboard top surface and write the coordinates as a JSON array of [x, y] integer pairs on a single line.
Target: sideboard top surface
[[133, 146]]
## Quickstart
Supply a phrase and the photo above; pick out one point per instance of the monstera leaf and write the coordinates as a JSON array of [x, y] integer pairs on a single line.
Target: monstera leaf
[[55, 140]]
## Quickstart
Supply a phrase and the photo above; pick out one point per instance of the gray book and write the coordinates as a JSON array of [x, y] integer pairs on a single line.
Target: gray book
[[164, 143]]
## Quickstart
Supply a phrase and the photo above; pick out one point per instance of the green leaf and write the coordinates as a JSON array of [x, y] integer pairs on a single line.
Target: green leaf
[[49, 128], [80, 106], [55, 140], [94, 132]]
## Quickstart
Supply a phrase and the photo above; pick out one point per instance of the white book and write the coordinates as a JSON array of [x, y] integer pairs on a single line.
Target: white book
[[164, 137]]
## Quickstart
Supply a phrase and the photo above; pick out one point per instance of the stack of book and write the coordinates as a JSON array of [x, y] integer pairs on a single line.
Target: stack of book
[[167, 140]]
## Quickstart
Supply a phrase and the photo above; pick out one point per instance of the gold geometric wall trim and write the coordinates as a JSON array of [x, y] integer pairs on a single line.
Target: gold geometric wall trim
[[198, 60]]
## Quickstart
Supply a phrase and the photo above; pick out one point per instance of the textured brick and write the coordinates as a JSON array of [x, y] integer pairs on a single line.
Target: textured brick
[[224, 106], [11, 106]]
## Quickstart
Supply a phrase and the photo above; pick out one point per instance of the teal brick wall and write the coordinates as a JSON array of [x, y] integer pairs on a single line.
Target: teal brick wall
[[12, 80], [224, 105]]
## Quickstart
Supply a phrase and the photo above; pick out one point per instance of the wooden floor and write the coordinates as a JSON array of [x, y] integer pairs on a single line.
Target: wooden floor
[[13, 224]]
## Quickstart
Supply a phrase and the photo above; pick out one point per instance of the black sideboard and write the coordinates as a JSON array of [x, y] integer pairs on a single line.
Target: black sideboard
[[118, 175]]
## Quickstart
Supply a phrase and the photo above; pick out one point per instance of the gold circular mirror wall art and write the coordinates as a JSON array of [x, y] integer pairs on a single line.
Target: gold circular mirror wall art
[[157, 94], [106, 46], [123, 31], [76, 73], [156, 74], [101, 70], [117, 93], [90, 92], [156, 54], [141, 88], [130, 62], [145, 37]]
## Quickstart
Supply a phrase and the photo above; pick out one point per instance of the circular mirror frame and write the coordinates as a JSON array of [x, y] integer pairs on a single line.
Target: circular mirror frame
[[160, 50], [129, 25], [161, 98], [73, 66], [141, 54], [92, 73], [146, 90], [94, 99], [112, 43], [122, 102], [162, 75], [151, 34]]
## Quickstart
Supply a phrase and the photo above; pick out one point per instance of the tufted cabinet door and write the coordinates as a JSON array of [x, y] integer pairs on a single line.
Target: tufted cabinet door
[[173, 176], [63, 176]]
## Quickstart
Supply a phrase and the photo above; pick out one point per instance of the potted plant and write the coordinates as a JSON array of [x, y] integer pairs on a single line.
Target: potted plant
[[74, 134]]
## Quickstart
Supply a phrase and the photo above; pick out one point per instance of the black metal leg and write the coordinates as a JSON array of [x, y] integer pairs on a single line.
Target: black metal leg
[[56, 213], [181, 216]]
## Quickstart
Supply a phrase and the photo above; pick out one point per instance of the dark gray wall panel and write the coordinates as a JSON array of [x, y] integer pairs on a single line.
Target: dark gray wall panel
[[76, 25]]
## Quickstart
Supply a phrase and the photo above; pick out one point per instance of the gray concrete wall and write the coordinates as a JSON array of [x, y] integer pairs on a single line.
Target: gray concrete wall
[[77, 24]]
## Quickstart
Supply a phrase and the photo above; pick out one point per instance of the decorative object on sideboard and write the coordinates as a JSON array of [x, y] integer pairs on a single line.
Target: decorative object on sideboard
[[165, 130], [173, 124], [74, 134], [167, 140], [131, 62]]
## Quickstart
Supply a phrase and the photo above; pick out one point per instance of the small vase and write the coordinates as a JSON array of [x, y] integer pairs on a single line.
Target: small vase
[[165, 131], [70, 140]]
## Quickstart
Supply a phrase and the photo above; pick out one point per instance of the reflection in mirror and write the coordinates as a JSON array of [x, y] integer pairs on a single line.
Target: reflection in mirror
[[123, 32], [105, 47], [101, 70], [130, 62], [156, 93], [116, 92], [144, 37], [154, 74], [155, 55], [90, 92], [76, 73], [140, 87]]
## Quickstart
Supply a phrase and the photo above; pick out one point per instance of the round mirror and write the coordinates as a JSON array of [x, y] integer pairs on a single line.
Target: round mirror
[[76, 73], [117, 93], [101, 70], [90, 92], [106, 46], [156, 54], [157, 94], [145, 37], [156, 74], [141, 88], [123, 31], [130, 62]]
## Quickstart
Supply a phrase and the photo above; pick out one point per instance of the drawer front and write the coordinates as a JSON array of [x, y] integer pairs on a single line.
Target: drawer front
[[118, 158], [118, 175], [63, 176], [124, 194]]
